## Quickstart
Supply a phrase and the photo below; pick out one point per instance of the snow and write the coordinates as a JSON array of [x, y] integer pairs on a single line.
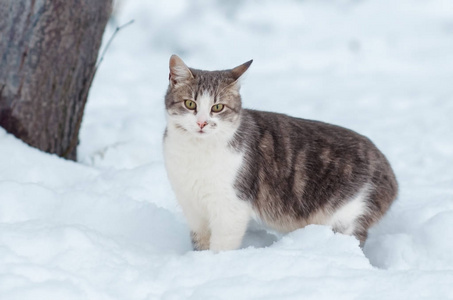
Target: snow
[[109, 227]]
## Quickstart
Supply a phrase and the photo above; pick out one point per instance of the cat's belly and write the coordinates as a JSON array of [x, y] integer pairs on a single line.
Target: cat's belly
[[201, 174], [341, 219]]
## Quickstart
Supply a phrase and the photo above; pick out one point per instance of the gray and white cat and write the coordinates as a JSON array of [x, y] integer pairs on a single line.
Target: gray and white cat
[[227, 164]]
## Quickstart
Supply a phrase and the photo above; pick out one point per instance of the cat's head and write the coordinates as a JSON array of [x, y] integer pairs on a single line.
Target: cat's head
[[204, 103]]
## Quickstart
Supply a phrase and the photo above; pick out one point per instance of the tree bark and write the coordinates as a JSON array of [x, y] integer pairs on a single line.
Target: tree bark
[[48, 53]]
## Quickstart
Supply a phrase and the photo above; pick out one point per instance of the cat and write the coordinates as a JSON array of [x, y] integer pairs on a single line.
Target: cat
[[227, 164]]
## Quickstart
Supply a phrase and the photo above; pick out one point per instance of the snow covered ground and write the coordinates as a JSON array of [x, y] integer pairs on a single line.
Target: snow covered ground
[[108, 227]]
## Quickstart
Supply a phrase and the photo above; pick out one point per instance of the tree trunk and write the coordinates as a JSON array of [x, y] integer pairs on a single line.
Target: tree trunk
[[48, 53]]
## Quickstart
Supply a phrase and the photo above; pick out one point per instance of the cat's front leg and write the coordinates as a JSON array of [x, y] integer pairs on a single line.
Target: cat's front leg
[[200, 233], [200, 239], [228, 225]]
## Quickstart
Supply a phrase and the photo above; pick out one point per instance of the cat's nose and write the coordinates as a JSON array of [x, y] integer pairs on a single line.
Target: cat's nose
[[202, 124]]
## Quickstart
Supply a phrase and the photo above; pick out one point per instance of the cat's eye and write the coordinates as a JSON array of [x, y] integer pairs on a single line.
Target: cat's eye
[[190, 104], [217, 108]]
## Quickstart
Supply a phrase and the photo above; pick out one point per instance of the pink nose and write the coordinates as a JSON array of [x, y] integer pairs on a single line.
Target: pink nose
[[202, 124]]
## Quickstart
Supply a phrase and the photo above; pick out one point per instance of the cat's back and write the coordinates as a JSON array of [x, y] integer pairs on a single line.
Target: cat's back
[[284, 135], [300, 130]]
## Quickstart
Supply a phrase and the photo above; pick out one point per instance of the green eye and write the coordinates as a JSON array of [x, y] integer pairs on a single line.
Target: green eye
[[217, 108], [190, 104]]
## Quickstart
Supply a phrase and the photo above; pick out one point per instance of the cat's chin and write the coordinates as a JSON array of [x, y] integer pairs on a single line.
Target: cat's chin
[[201, 134]]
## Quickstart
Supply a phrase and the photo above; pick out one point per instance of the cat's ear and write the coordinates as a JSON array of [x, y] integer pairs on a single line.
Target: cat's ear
[[179, 72], [240, 70]]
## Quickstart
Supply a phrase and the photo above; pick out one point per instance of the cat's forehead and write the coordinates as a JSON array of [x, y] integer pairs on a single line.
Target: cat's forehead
[[210, 81]]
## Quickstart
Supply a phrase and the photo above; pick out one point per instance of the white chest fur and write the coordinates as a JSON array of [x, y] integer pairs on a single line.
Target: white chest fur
[[202, 172]]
